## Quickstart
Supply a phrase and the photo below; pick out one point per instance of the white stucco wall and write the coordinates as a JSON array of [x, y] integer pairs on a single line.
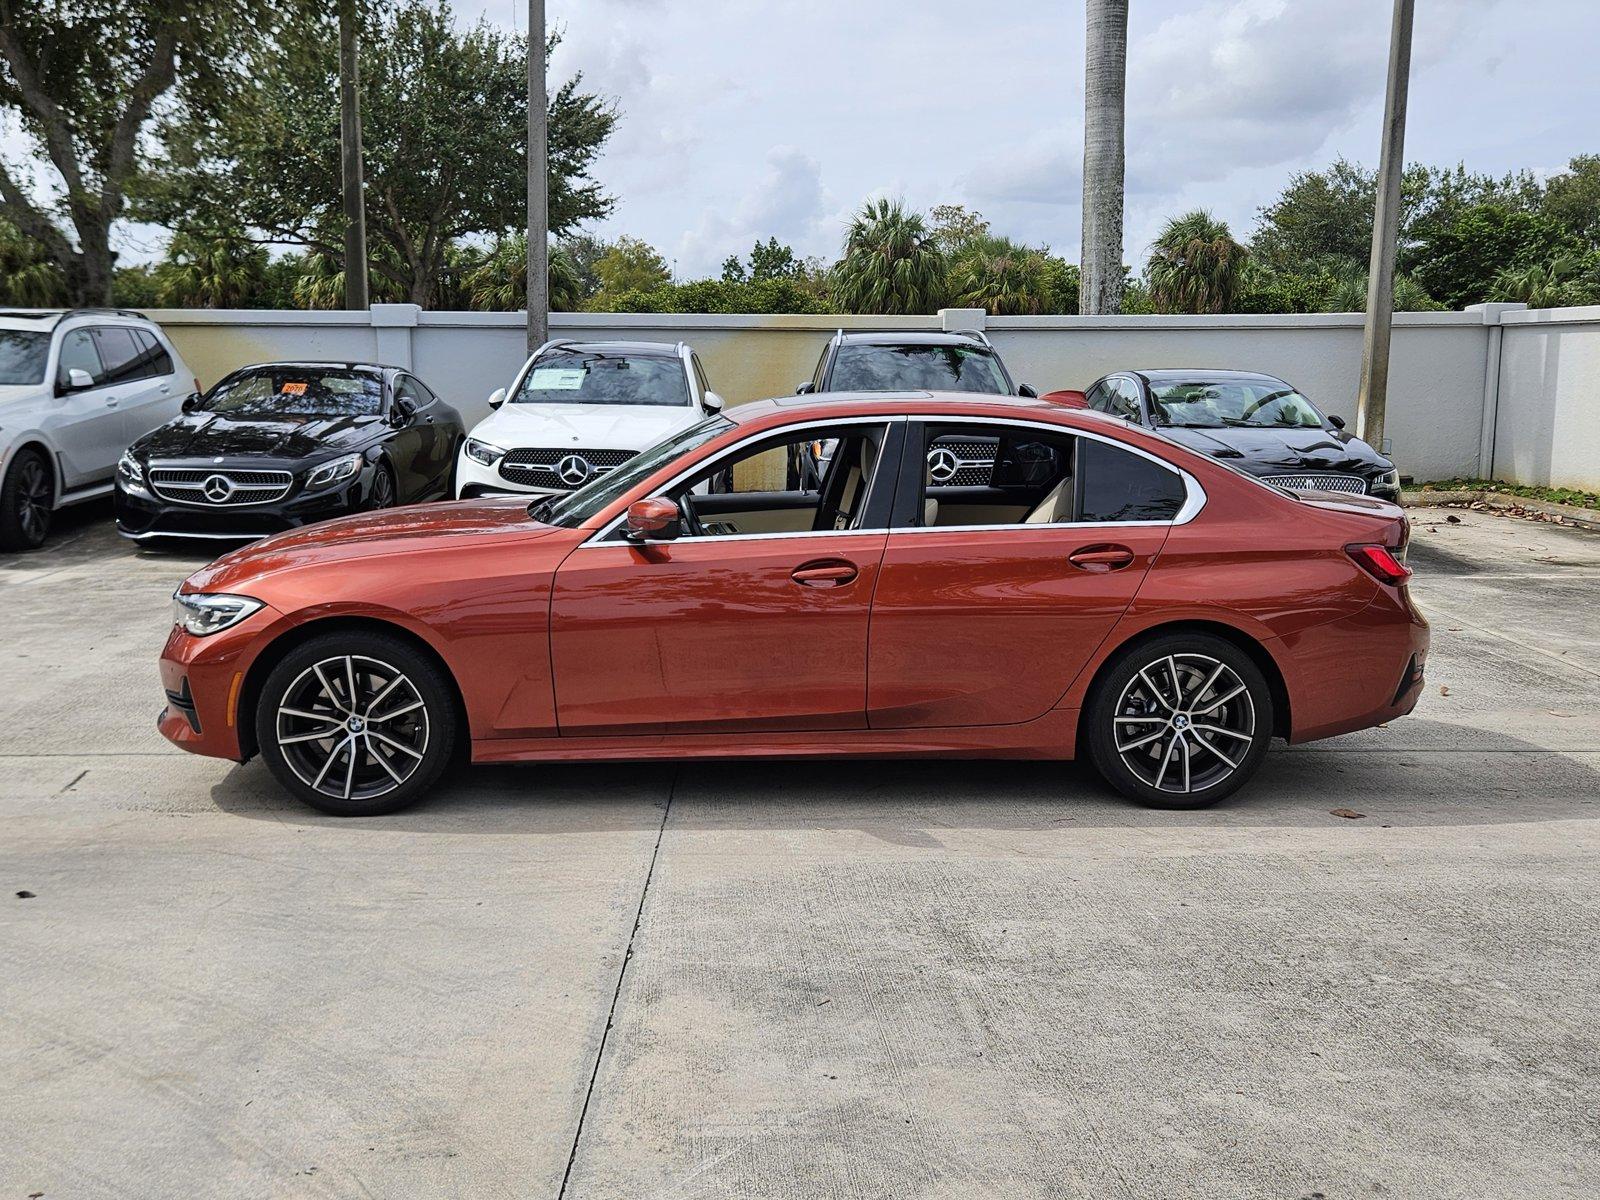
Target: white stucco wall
[[1442, 415]]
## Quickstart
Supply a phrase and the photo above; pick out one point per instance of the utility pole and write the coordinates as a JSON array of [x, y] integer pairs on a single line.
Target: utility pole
[[1372, 401], [538, 185], [355, 215]]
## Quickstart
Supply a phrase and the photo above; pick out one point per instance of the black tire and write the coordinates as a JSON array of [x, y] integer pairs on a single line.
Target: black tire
[[384, 493], [27, 496], [1173, 752], [360, 777]]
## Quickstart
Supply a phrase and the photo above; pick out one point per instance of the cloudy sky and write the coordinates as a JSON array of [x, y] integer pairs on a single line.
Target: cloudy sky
[[748, 118]]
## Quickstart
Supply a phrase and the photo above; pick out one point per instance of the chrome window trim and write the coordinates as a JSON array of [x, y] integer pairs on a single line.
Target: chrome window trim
[[1194, 494], [600, 535]]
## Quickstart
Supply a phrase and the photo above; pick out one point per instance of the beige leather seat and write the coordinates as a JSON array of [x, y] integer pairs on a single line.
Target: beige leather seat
[[1056, 506], [930, 506]]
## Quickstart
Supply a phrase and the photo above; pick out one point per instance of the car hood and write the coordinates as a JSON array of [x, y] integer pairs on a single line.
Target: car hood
[[217, 435], [20, 391], [413, 529], [584, 426], [1275, 451]]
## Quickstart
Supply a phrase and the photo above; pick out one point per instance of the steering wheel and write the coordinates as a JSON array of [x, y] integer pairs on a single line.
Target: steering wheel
[[691, 519], [1269, 398]]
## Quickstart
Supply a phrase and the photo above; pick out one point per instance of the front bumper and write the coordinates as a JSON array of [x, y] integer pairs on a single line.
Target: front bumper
[[143, 516], [473, 480], [203, 678]]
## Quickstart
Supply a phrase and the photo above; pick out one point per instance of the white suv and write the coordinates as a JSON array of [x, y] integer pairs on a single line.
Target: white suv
[[76, 388], [577, 410]]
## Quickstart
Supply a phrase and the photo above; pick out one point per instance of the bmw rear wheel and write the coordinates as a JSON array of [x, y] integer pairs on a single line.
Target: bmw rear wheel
[[1180, 721], [356, 724], [27, 495]]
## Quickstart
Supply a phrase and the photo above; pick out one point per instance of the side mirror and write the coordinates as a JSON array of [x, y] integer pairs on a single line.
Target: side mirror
[[191, 402], [1066, 398], [1336, 421], [805, 389], [654, 520], [402, 413], [77, 380], [1028, 390], [713, 403], [497, 397]]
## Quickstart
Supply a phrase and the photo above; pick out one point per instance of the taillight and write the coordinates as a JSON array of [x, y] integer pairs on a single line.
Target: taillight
[[1380, 562]]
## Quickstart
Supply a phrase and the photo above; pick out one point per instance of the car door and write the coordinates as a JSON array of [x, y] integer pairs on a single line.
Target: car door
[[152, 397], [413, 447], [85, 422], [989, 624], [730, 629]]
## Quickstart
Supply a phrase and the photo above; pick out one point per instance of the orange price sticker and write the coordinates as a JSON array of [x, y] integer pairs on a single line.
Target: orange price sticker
[[294, 389]]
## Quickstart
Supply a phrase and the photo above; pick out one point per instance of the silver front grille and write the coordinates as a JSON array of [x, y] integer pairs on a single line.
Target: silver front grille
[[219, 488], [1320, 483], [957, 463], [559, 467]]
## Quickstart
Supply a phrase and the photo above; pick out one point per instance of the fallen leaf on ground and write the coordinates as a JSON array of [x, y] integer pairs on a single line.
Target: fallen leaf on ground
[[1556, 712], [1444, 690], [1453, 519], [1349, 814]]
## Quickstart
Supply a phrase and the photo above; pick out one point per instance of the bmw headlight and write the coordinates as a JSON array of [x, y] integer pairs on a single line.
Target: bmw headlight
[[486, 453], [202, 613], [130, 472], [336, 471]]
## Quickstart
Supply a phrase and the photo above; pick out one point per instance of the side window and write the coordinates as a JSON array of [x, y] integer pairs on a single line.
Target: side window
[[1118, 485], [817, 381], [699, 375], [78, 354], [1099, 397], [990, 475], [154, 353], [1123, 399], [407, 388], [123, 359]]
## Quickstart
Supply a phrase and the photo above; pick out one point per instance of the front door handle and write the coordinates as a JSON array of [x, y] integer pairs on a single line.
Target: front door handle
[[1101, 558], [825, 573], [111, 401]]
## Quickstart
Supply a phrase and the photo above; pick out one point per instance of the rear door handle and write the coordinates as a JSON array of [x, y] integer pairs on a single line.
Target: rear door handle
[[1101, 558], [825, 573]]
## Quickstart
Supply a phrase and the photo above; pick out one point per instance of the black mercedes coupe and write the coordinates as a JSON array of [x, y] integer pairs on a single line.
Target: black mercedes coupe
[[1257, 423], [279, 445]]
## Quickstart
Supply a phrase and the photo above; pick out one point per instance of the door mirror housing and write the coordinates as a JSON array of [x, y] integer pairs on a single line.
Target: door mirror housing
[[77, 380], [805, 389], [654, 520], [1336, 421], [1028, 390], [497, 397], [712, 402], [191, 402], [1066, 398], [402, 413]]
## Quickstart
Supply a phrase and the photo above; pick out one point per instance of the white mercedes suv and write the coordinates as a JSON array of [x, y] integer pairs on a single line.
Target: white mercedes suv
[[581, 409], [76, 389]]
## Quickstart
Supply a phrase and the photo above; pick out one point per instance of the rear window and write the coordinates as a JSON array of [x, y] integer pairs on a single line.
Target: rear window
[[592, 377], [1118, 485], [867, 368], [22, 355]]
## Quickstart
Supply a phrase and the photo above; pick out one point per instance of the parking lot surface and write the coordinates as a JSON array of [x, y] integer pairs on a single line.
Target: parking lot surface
[[804, 979]]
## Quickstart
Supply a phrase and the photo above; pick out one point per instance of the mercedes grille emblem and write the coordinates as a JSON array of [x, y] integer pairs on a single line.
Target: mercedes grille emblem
[[573, 470], [942, 465], [217, 488]]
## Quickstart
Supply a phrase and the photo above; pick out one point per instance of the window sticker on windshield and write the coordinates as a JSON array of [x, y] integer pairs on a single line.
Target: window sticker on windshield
[[556, 379], [293, 389]]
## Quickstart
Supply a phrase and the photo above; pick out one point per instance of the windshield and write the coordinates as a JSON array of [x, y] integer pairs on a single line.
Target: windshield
[[22, 355], [576, 507], [868, 368], [590, 377], [1260, 403], [289, 391]]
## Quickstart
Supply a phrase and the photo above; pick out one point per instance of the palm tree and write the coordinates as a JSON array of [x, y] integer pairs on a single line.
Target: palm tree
[[1105, 81], [499, 281], [1006, 278], [28, 276], [1546, 285], [891, 263], [216, 269], [1194, 265]]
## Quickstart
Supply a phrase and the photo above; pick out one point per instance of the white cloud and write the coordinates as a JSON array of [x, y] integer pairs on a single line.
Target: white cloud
[[787, 201]]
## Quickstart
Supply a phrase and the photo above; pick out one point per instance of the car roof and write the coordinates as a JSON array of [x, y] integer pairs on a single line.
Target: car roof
[[854, 404], [634, 349], [45, 319], [1197, 375], [312, 365], [914, 337]]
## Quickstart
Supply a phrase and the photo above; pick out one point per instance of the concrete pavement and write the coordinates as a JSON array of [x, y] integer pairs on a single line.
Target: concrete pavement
[[856, 980]]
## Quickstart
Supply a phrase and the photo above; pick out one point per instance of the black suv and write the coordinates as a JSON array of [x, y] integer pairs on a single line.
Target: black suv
[[901, 361]]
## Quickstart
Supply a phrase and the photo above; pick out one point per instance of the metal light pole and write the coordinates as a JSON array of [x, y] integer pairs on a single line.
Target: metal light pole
[[1372, 401], [538, 186], [355, 216]]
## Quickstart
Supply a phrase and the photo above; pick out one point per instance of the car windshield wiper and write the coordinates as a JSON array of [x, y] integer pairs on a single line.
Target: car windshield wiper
[[540, 509], [1191, 425]]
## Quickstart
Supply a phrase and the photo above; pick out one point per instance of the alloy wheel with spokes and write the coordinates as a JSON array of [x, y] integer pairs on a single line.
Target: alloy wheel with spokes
[[383, 491], [356, 724], [27, 499], [1181, 722]]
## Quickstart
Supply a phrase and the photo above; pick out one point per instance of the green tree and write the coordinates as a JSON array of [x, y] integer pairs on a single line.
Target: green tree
[[1566, 279], [1572, 200], [1458, 262], [444, 116], [723, 296], [221, 269], [955, 227], [628, 265], [891, 263], [82, 78], [1194, 265], [498, 281], [770, 259], [1006, 278], [28, 275], [583, 250]]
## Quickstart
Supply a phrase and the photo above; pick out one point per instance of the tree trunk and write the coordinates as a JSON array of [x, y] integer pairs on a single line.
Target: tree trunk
[[1105, 81], [90, 274]]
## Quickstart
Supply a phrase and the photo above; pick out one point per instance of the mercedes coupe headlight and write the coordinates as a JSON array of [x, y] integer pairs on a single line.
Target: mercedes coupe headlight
[[337, 471], [202, 613], [484, 452], [130, 472], [1388, 480]]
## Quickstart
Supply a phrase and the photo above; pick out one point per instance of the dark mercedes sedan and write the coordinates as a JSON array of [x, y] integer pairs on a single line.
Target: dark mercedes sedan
[[279, 445], [1257, 423]]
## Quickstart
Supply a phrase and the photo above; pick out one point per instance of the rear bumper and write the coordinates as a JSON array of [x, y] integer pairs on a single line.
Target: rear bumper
[[1358, 672]]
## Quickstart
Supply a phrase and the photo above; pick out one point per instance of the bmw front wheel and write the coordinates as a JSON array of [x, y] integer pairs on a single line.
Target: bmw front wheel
[[356, 724], [1180, 721]]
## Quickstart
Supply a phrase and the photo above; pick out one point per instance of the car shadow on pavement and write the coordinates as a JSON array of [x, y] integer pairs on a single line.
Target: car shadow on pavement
[[1439, 775]]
